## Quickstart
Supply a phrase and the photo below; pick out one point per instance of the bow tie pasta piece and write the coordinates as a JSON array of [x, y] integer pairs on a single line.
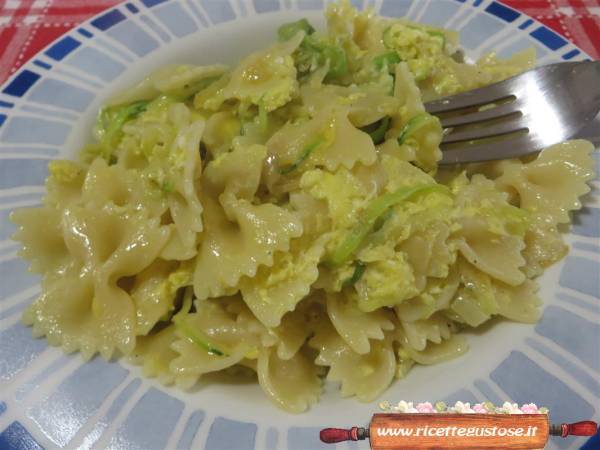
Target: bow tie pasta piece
[[292, 333], [365, 376], [108, 184], [120, 187], [329, 139], [123, 189], [154, 354], [232, 249], [364, 27], [355, 326], [519, 303], [478, 199], [236, 174], [183, 81], [208, 340], [276, 289], [64, 183], [212, 98], [480, 297], [266, 78], [297, 326], [39, 231], [111, 244], [497, 255], [447, 349], [547, 188], [292, 384], [85, 309], [179, 81], [64, 314], [246, 320], [221, 130], [543, 245], [348, 145], [475, 301], [140, 241], [367, 104], [492, 230], [155, 290], [434, 329], [553, 182]]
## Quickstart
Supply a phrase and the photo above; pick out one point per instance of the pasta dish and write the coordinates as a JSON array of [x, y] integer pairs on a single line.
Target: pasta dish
[[286, 219]]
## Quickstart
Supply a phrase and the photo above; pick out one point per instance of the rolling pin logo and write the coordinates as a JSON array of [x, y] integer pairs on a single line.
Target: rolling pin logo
[[455, 430]]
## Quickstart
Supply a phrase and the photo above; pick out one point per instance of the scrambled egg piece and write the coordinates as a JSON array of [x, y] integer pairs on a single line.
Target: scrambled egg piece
[[64, 171], [388, 279], [418, 47], [344, 194]]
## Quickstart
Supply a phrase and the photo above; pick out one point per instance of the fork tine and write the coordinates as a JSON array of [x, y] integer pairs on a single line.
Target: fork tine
[[480, 116], [503, 149], [509, 126], [476, 97], [556, 101]]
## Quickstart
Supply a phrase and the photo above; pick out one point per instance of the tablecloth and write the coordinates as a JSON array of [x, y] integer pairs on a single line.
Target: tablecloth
[[27, 26]]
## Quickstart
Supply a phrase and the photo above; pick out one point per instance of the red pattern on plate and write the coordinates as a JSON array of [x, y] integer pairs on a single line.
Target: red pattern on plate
[[27, 26]]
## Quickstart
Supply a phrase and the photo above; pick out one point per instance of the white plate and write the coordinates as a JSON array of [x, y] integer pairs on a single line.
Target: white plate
[[46, 111]]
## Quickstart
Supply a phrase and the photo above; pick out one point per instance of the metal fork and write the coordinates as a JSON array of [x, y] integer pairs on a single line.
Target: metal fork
[[520, 115]]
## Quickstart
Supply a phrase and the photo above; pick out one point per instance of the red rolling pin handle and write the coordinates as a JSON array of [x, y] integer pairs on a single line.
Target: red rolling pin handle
[[584, 428], [333, 435]]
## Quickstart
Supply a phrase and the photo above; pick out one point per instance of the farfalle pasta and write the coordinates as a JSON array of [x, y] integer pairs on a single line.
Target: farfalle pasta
[[362, 375], [286, 219]]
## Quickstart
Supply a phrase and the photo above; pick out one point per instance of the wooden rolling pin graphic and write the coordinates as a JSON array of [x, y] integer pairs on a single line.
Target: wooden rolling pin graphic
[[458, 431]]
